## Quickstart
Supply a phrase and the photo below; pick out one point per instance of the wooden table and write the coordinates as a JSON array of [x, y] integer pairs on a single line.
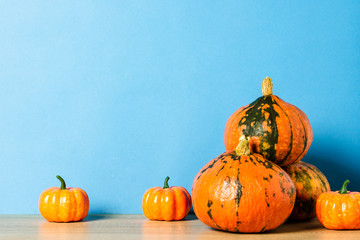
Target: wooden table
[[138, 227]]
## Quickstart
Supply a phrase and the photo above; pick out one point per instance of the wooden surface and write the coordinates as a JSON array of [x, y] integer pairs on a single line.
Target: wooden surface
[[138, 227]]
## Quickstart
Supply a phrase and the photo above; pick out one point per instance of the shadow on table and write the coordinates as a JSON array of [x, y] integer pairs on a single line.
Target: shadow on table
[[289, 227], [95, 217], [190, 217]]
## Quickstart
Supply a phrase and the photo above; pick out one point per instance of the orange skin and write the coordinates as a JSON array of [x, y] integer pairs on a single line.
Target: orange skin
[[339, 211], [291, 126], [168, 203], [246, 194], [309, 183], [67, 205]]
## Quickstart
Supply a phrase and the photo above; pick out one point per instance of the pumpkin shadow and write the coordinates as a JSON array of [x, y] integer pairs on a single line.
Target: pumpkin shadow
[[312, 225], [335, 172], [191, 210], [190, 217], [297, 226], [95, 217], [332, 156], [288, 227]]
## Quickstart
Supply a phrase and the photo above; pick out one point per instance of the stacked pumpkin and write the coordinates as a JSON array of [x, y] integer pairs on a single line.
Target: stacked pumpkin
[[259, 182]]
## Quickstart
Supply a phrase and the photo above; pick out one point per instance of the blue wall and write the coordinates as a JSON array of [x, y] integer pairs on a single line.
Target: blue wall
[[116, 96]]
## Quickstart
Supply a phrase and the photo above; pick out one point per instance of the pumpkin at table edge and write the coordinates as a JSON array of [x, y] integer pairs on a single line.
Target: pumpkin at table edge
[[64, 204], [309, 182], [242, 192], [339, 210], [166, 203], [279, 131]]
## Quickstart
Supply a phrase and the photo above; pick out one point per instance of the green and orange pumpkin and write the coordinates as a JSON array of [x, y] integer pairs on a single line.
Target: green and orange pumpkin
[[278, 130], [310, 182], [242, 192]]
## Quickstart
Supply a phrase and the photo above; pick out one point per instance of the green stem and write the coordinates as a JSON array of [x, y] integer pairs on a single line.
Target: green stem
[[63, 185], [343, 189], [166, 184]]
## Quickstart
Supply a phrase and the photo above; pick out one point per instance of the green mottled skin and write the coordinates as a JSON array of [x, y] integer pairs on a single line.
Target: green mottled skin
[[255, 117], [309, 183]]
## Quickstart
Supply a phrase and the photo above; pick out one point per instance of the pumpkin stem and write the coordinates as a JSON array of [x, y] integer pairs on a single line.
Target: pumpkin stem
[[267, 86], [166, 184], [242, 149], [343, 189], [63, 185]]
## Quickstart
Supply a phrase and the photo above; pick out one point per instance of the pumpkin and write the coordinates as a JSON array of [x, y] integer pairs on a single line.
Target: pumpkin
[[242, 192], [166, 203], [309, 183], [279, 131], [339, 210], [63, 204]]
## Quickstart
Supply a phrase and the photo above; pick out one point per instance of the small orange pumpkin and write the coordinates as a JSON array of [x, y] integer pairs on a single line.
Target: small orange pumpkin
[[339, 210], [63, 204], [167, 203]]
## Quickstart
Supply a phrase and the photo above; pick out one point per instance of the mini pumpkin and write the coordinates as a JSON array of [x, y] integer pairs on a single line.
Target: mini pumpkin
[[63, 204], [242, 192], [309, 182], [339, 210], [166, 203], [279, 131]]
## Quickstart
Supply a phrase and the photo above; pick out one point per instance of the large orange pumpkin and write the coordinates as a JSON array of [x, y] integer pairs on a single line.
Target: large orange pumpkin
[[242, 192], [63, 204], [310, 182], [279, 131]]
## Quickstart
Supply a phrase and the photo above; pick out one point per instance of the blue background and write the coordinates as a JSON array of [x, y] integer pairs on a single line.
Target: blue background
[[115, 96]]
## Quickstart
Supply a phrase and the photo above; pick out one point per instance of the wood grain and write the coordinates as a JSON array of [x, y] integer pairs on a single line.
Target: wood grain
[[138, 227]]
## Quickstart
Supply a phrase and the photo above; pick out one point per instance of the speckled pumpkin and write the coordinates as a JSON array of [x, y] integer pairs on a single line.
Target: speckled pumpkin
[[279, 131], [309, 183], [242, 192]]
